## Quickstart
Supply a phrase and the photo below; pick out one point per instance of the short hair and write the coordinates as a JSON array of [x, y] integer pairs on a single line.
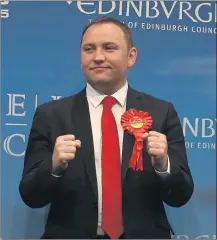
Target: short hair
[[101, 20]]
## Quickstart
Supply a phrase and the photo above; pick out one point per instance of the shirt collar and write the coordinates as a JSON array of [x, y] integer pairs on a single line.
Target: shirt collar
[[96, 97]]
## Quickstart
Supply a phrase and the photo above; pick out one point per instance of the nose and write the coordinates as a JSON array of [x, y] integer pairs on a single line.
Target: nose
[[99, 56]]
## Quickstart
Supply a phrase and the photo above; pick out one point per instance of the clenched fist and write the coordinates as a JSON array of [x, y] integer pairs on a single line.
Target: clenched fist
[[64, 151], [157, 148]]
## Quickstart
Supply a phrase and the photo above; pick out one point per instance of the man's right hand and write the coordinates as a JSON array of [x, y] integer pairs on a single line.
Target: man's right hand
[[64, 151]]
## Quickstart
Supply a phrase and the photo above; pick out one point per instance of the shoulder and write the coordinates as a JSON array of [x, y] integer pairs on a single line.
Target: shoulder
[[156, 106], [150, 99], [153, 99], [60, 107], [56, 105]]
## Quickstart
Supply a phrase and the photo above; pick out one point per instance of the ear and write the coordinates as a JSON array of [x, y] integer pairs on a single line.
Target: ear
[[132, 55]]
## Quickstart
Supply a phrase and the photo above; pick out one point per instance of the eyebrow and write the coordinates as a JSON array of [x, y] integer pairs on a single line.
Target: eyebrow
[[105, 43]]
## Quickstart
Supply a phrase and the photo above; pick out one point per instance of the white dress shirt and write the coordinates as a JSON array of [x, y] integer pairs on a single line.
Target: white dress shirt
[[94, 99]]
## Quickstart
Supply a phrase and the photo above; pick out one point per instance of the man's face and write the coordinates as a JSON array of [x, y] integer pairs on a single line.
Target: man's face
[[105, 55]]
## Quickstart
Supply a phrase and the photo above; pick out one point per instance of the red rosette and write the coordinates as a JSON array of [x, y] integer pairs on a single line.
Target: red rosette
[[136, 123]]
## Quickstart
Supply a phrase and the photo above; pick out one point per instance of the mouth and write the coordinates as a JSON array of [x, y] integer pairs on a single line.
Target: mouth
[[99, 68]]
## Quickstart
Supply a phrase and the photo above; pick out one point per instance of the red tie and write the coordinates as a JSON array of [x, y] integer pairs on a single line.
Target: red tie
[[112, 222]]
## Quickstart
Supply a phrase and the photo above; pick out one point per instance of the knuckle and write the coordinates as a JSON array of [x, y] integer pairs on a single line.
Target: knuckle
[[74, 143], [59, 142], [73, 137], [58, 148], [72, 149], [58, 139]]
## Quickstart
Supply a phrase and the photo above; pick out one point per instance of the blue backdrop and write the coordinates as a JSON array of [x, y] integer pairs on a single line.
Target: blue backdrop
[[177, 62]]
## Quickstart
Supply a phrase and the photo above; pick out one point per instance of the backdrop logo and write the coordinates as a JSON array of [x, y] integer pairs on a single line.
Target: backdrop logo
[[181, 11], [153, 9], [4, 10], [14, 144], [7, 144], [200, 133]]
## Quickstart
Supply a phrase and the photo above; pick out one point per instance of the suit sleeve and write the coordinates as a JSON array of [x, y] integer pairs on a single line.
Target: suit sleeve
[[37, 184], [178, 187]]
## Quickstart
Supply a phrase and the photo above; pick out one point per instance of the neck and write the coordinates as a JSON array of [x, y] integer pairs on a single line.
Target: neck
[[108, 89]]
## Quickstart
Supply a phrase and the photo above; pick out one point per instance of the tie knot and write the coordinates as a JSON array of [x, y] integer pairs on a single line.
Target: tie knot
[[108, 101]]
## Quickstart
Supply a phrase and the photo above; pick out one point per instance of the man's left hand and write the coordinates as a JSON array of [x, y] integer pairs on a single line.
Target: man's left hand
[[157, 148]]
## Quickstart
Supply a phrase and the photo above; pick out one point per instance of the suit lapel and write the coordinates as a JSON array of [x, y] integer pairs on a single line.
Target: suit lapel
[[133, 101], [81, 118]]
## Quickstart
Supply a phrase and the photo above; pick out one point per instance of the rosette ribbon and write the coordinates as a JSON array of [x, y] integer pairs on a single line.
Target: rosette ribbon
[[136, 123]]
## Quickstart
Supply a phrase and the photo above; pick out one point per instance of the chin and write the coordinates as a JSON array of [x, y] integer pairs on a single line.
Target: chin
[[99, 81]]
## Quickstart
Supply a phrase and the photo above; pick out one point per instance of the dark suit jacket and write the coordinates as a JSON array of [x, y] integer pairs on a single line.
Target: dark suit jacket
[[73, 197]]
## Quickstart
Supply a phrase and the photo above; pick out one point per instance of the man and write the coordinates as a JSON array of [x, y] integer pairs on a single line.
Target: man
[[78, 157]]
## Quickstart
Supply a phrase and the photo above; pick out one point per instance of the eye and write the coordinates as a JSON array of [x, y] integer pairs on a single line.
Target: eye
[[110, 47], [88, 48]]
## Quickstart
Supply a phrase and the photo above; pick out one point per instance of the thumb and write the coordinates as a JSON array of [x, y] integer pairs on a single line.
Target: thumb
[[145, 136], [78, 143]]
